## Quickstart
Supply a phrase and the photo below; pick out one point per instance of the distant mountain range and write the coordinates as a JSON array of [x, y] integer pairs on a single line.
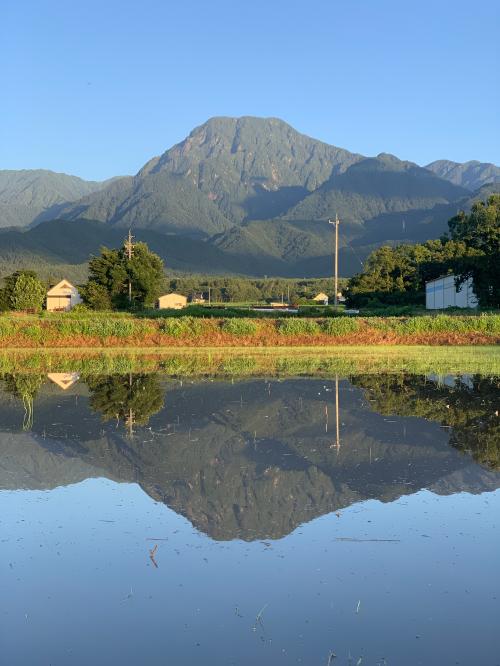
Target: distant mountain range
[[471, 175], [33, 195], [247, 195]]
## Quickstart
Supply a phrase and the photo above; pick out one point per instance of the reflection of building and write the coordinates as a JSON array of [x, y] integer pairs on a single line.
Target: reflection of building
[[443, 293], [64, 379], [63, 296], [172, 301]]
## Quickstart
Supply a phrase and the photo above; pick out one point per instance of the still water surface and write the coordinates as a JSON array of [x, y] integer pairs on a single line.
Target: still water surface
[[150, 520]]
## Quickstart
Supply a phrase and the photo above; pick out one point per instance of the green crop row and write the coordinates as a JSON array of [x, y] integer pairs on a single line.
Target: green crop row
[[45, 330]]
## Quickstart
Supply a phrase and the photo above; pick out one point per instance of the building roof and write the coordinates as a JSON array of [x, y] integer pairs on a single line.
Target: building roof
[[63, 285], [320, 297], [172, 294], [441, 277]]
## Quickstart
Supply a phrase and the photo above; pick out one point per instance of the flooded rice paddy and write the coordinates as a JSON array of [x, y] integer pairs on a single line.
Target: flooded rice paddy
[[342, 520]]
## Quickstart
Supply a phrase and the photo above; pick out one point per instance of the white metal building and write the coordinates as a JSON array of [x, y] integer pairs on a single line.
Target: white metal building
[[442, 293]]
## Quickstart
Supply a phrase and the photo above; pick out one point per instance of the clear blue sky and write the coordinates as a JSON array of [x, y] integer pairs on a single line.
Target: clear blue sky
[[96, 88]]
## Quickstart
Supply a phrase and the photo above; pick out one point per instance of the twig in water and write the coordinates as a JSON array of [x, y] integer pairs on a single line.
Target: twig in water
[[354, 540], [259, 614], [152, 554], [258, 617]]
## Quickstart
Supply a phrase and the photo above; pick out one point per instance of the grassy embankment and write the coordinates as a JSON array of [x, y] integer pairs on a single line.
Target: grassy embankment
[[110, 330]]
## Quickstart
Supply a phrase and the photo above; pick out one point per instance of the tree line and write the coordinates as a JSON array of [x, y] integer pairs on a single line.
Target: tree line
[[119, 280], [122, 279], [470, 249]]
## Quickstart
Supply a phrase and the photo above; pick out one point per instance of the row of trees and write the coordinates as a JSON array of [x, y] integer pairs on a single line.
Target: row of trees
[[471, 249], [133, 276]]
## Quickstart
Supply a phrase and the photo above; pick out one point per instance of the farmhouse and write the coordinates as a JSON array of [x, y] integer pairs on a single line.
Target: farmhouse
[[173, 301], [321, 298], [443, 293], [62, 297]]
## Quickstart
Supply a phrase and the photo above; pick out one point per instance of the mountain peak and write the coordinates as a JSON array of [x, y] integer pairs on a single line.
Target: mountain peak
[[471, 175]]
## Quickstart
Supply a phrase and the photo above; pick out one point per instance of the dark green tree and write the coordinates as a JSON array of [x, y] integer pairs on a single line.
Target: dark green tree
[[96, 296], [113, 270], [397, 275], [480, 231], [22, 291]]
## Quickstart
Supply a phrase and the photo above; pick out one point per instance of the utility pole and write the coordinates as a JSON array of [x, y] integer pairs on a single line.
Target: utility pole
[[129, 249], [336, 222]]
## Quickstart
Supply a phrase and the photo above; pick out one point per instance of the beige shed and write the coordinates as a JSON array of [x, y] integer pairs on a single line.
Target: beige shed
[[173, 301], [321, 298], [63, 296]]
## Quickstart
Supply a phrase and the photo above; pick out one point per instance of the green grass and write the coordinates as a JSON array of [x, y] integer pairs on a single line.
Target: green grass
[[51, 330], [181, 327], [298, 327], [239, 327], [339, 326]]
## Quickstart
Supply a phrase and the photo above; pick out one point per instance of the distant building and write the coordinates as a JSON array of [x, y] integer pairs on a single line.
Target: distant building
[[321, 298], [172, 301], [197, 298], [62, 297], [442, 293]]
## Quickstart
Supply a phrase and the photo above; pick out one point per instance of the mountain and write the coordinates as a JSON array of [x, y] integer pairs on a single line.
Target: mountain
[[233, 171], [26, 195], [255, 193], [227, 171], [471, 175]]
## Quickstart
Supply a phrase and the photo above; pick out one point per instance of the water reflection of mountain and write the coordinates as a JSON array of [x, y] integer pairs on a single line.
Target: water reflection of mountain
[[245, 460]]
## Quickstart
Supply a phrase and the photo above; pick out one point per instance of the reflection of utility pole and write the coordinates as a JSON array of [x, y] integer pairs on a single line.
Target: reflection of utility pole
[[129, 249], [337, 424], [129, 419], [336, 222], [129, 422]]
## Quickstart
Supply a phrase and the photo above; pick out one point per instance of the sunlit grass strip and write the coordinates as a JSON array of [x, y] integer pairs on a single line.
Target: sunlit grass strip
[[70, 330], [283, 362]]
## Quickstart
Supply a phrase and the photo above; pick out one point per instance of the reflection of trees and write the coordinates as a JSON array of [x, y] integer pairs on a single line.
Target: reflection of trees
[[470, 406], [131, 398], [24, 387]]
